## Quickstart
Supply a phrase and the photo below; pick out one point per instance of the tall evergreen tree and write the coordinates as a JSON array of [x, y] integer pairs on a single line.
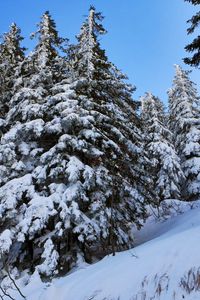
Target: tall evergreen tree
[[184, 122], [38, 72], [108, 194], [11, 54], [27, 107], [89, 59], [24, 142], [84, 182], [194, 47], [166, 170], [49, 42]]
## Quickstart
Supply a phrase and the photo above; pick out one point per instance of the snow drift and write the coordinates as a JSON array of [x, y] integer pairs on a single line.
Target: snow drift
[[166, 267]]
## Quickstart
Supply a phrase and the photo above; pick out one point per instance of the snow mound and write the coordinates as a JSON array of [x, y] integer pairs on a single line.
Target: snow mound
[[166, 267]]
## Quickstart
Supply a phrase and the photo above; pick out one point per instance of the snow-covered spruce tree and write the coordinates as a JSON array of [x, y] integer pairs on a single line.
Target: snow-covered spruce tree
[[41, 69], [194, 47], [98, 155], [165, 170], [88, 186], [184, 120], [24, 142], [11, 54], [35, 76]]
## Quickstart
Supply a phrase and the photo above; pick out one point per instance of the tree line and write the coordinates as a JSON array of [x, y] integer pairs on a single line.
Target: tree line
[[80, 160]]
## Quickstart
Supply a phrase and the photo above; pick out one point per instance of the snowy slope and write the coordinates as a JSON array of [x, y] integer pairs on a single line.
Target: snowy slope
[[166, 268]]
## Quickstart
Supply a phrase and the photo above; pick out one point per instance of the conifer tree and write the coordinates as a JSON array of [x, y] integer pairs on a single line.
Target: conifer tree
[[23, 143], [82, 182], [98, 155], [165, 170], [11, 54], [194, 47], [185, 124], [46, 52], [38, 72], [27, 108]]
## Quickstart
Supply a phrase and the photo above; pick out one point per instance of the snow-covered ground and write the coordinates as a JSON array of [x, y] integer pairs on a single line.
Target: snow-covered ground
[[165, 266]]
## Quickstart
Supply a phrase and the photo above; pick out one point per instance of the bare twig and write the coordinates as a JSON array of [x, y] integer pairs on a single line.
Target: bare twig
[[14, 283], [6, 294]]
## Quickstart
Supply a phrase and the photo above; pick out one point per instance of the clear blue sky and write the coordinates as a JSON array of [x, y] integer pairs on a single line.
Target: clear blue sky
[[145, 37]]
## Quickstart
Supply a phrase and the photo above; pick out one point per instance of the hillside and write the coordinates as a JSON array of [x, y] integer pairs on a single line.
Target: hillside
[[165, 267]]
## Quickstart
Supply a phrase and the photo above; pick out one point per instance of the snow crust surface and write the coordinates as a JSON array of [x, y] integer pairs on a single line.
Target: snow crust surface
[[165, 267]]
